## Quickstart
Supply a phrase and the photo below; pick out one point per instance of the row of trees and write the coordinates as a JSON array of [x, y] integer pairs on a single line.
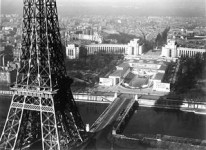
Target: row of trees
[[148, 45], [8, 52], [94, 62], [122, 38], [169, 72], [190, 71], [91, 67], [161, 39]]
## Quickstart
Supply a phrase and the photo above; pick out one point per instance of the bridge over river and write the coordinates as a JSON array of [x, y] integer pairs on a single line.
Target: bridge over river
[[115, 113]]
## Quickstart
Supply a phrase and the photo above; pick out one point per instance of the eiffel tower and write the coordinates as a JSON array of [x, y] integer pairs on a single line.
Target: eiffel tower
[[42, 106]]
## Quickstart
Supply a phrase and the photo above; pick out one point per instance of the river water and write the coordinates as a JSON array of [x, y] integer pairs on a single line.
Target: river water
[[144, 120]]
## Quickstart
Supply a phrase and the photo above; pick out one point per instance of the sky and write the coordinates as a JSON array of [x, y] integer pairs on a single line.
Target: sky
[[121, 7]]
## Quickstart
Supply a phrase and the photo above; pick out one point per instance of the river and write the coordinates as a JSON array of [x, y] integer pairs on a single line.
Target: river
[[144, 120]]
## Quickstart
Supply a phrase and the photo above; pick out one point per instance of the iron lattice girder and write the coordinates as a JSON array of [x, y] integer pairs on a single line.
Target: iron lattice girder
[[18, 116], [43, 105], [42, 57], [49, 119]]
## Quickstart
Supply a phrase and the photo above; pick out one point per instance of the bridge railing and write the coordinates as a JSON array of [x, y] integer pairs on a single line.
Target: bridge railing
[[7, 93], [123, 115], [97, 122]]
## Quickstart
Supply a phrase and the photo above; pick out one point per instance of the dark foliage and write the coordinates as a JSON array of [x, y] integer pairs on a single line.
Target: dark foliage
[[191, 70], [122, 38], [90, 68], [8, 52], [161, 39]]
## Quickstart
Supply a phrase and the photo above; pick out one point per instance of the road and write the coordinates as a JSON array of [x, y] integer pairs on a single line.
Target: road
[[111, 115]]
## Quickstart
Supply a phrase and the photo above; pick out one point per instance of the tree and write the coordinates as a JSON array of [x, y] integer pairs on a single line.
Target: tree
[[148, 45], [8, 52], [161, 39], [158, 40], [121, 38], [64, 51]]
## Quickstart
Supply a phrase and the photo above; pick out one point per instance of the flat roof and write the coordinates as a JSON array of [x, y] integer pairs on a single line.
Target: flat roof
[[117, 73], [162, 67], [123, 65], [100, 93], [106, 45], [150, 97], [130, 76], [147, 61], [159, 76]]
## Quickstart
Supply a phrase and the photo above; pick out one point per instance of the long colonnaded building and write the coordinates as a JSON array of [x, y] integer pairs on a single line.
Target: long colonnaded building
[[133, 48], [171, 50]]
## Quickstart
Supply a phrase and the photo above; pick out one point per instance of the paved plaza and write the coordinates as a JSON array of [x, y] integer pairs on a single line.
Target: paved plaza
[[120, 89]]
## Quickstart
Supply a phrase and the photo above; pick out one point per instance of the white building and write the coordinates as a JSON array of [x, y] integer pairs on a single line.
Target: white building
[[72, 51], [172, 51], [134, 48], [106, 48], [5, 77], [152, 70], [131, 49]]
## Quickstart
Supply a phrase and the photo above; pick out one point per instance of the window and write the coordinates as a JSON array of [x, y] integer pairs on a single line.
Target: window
[[170, 53], [132, 50]]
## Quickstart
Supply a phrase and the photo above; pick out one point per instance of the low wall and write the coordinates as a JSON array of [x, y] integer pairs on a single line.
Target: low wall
[[162, 142], [82, 96], [87, 97], [194, 105], [9, 93], [168, 104], [172, 104]]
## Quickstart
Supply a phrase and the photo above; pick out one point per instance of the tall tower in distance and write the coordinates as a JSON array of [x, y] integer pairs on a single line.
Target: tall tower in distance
[[42, 106]]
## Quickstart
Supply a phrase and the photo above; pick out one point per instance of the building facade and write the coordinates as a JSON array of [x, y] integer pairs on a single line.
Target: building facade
[[72, 51], [106, 48], [172, 51], [133, 48], [139, 74]]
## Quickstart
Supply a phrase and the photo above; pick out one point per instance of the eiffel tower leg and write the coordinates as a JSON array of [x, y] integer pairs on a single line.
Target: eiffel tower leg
[[28, 129], [50, 137], [11, 128]]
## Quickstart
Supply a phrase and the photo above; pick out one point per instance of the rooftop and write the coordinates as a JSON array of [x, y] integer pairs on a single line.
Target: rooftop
[[130, 76], [147, 61], [159, 76], [100, 93], [117, 73], [162, 67], [124, 65], [150, 97]]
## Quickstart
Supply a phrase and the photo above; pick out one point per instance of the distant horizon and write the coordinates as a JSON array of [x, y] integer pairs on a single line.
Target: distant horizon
[[185, 8]]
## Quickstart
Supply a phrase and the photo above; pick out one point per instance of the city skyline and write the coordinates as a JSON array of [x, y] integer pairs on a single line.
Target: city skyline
[[103, 74], [121, 7]]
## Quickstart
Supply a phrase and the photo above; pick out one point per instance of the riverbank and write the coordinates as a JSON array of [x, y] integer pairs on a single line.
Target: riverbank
[[151, 101], [159, 142], [195, 107], [143, 101], [148, 121]]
